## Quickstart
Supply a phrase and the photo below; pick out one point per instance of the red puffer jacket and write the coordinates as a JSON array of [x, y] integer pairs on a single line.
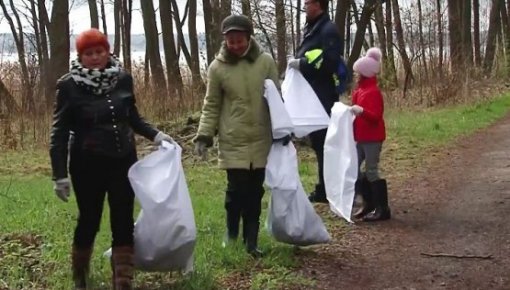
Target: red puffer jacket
[[369, 126]]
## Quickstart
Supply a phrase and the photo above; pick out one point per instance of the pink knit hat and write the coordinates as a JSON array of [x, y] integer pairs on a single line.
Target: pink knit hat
[[369, 65]]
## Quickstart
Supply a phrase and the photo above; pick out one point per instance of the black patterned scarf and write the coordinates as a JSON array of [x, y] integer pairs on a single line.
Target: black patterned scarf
[[97, 81]]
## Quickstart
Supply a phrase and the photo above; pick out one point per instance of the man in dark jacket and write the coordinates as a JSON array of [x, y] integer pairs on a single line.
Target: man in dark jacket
[[318, 58]]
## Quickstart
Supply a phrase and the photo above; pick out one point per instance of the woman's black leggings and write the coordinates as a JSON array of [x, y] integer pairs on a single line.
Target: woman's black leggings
[[92, 177]]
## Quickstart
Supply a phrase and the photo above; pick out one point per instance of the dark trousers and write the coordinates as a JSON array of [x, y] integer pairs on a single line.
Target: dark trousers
[[318, 138], [92, 177], [243, 199]]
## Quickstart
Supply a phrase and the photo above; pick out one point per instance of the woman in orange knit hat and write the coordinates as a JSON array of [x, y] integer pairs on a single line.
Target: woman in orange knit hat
[[95, 106]]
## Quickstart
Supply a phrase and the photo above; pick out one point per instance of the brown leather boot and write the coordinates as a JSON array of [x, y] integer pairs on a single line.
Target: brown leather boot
[[80, 263], [122, 268]]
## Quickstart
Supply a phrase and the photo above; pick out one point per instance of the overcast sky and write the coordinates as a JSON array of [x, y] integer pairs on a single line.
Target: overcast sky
[[80, 18]]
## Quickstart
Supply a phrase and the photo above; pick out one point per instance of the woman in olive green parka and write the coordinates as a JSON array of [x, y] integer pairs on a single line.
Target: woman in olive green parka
[[235, 108]]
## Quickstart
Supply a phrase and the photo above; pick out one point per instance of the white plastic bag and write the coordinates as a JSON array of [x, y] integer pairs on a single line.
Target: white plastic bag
[[340, 161], [281, 168], [165, 230], [281, 123], [291, 217], [302, 104]]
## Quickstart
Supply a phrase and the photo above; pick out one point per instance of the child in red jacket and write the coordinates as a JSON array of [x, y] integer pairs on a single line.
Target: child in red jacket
[[369, 134]]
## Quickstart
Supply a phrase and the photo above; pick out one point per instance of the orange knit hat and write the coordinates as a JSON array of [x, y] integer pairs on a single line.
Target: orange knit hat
[[90, 38]]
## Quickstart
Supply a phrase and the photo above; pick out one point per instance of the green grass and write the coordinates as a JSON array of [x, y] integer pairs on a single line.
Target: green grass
[[437, 127], [36, 228], [413, 136], [29, 209]]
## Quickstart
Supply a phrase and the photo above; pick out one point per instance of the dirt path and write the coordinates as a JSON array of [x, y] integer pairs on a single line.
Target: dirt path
[[458, 205]]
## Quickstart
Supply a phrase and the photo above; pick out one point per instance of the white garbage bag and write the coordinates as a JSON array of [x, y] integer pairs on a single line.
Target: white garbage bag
[[340, 161], [302, 104], [165, 230], [281, 168], [281, 124], [291, 217]]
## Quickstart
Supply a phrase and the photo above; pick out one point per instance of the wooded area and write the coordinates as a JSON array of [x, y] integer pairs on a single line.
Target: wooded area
[[420, 41]]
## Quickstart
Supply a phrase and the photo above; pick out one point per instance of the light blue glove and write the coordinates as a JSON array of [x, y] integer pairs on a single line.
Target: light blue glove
[[294, 63], [62, 188], [160, 137]]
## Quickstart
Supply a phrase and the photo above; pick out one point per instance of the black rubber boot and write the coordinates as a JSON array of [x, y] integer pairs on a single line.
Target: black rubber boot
[[318, 195], [251, 235], [362, 187], [233, 218], [382, 210]]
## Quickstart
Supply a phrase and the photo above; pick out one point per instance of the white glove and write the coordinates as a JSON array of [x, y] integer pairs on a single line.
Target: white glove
[[356, 110], [62, 188], [160, 137], [201, 150], [294, 63]]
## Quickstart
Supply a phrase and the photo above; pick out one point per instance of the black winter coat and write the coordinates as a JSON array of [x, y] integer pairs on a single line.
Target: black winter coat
[[322, 34], [99, 124]]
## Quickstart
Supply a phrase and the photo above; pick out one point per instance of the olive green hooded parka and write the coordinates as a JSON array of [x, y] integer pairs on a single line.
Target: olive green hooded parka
[[235, 108]]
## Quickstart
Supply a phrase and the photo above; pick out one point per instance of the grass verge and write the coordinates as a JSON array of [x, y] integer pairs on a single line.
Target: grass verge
[[36, 229]]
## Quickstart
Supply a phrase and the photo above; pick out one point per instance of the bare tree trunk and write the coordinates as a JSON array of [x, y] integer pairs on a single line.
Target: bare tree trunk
[[225, 9], [103, 17], [264, 30], [371, 35], [94, 19], [217, 13], [455, 31], [293, 32], [118, 23], [146, 69], [383, 42], [178, 25], [45, 58], [59, 39], [467, 44], [152, 44], [476, 32], [440, 35], [494, 27], [210, 30], [281, 36], [298, 23], [41, 66], [38, 46], [171, 59], [7, 100], [246, 8], [126, 10], [359, 39], [401, 43], [422, 42], [357, 21], [197, 81], [381, 35], [342, 7], [348, 35], [506, 34], [392, 70], [19, 40]]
